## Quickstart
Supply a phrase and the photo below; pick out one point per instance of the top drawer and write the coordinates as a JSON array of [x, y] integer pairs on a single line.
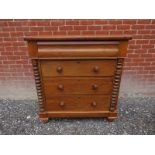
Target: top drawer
[[58, 50], [51, 68]]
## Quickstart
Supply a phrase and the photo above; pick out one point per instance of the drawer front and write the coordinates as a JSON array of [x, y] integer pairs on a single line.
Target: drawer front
[[60, 86], [78, 103], [78, 68], [74, 50]]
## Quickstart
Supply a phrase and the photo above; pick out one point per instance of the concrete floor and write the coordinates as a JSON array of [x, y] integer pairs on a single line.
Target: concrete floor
[[136, 116]]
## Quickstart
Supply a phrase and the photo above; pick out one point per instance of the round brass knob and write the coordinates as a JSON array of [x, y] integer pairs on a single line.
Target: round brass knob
[[94, 104], [62, 104], [96, 69], [59, 69], [60, 87], [94, 86]]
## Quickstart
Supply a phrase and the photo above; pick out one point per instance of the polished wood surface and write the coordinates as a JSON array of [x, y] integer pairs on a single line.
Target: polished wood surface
[[78, 68], [79, 38], [77, 76], [78, 85], [78, 103], [81, 50]]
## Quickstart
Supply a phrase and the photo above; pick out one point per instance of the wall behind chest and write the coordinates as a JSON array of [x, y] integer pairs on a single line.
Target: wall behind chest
[[16, 69]]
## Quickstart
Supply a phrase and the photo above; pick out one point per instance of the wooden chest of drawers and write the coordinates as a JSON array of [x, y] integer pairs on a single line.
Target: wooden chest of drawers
[[77, 76]]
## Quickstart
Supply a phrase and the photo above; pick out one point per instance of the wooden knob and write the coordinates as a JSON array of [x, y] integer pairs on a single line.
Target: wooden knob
[[62, 104], [60, 87], [96, 69], [94, 104], [94, 86], [59, 69]]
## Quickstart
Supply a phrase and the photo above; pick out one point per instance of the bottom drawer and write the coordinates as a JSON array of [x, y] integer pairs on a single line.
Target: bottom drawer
[[78, 103]]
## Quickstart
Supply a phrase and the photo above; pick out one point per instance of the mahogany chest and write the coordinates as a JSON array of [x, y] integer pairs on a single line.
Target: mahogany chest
[[77, 76]]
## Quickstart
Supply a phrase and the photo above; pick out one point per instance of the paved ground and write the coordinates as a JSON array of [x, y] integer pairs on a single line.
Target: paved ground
[[136, 116]]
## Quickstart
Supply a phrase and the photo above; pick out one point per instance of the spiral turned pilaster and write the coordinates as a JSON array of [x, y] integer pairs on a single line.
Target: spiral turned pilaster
[[38, 84], [116, 84]]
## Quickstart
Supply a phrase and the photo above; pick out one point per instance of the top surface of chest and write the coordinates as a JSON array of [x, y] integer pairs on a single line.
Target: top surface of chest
[[74, 47]]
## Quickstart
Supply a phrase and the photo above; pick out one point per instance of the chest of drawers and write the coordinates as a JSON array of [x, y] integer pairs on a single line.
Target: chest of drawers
[[77, 76]]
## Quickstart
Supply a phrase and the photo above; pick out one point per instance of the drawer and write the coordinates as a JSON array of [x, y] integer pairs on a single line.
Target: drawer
[[70, 49], [78, 68], [78, 103], [77, 85]]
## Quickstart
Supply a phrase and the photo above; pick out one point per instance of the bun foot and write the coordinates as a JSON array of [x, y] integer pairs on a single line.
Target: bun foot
[[111, 119], [44, 120]]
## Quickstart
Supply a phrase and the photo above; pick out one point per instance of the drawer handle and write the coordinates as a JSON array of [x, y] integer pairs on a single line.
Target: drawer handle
[[94, 86], [60, 87], [62, 104], [96, 69], [59, 69], [94, 104]]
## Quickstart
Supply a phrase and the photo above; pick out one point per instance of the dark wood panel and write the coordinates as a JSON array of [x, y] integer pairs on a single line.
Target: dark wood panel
[[60, 86], [79, 38], [78, 43], [78, 103], [78, 68]]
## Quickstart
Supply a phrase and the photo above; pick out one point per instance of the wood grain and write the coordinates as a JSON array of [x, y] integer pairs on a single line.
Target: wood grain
[[78, 68], [78, 50], [78, 103], [78, 85]]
